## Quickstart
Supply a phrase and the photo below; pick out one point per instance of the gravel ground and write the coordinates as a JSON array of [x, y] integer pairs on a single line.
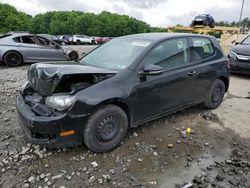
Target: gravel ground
[[158, 154]]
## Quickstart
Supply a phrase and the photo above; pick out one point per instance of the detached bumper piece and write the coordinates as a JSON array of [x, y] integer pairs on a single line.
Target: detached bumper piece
[[53, 131]]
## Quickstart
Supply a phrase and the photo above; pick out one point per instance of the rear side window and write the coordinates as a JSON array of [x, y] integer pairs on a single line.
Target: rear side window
[[17, 39], [28, 39], [201, 48]]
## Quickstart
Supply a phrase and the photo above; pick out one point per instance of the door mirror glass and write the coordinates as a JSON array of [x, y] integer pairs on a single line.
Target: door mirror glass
[[152, 70]]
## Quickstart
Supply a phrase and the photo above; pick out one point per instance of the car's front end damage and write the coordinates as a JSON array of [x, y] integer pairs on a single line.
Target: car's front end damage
[[70, 54], [47, 106]]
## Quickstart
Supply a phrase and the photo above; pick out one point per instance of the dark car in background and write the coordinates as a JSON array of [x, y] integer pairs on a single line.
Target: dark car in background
[[239, 57], [120, 85], [18, 48], [203, 19]]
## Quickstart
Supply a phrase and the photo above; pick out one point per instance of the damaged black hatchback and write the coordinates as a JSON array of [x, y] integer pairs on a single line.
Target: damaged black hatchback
[[123, 83]]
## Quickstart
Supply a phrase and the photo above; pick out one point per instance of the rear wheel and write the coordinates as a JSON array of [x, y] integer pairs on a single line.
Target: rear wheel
[[106, 128], [13, 59], [216, 95]]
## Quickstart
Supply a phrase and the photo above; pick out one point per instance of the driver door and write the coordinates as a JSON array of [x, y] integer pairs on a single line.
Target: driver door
[[50, 51], [173, 88]]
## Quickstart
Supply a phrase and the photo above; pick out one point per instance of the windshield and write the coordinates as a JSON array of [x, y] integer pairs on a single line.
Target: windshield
[[117, 54], [246, 41]]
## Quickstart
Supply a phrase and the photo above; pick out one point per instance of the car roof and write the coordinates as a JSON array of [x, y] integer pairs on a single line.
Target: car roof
[[160, 36], [20, 34]]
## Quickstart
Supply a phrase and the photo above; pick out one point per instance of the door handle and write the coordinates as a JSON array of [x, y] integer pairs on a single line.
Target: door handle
[[191, 73]]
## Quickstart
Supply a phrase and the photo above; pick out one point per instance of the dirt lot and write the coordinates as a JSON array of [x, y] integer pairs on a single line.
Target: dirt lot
[[157, 154]]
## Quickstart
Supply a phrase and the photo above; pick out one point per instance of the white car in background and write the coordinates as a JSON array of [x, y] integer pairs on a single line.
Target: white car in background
[[83, 39]]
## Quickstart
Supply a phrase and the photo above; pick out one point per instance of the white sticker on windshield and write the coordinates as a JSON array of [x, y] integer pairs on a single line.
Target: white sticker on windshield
[[140, 43]]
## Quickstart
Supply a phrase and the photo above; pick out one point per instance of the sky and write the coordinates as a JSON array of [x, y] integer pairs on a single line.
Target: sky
[[160, 13]]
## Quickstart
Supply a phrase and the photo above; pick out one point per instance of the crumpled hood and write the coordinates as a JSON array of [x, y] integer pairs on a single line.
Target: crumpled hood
[[242, 49], [45, 77]]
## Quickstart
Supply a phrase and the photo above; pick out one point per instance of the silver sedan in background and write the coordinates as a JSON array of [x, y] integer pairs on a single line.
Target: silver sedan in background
[[17, 48]]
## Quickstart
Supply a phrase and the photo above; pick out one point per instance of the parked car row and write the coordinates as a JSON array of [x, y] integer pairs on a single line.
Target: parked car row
[[81, 39]]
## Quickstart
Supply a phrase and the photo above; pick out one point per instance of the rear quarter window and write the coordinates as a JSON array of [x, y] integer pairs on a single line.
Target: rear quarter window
[[17, 39], [201, 48]]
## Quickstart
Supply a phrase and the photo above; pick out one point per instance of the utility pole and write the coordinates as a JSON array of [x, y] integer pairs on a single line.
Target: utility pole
[[242, 6]]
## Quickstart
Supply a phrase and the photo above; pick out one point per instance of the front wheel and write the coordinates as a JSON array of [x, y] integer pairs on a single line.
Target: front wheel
[[216, 95], [106, 129], [13, 59]]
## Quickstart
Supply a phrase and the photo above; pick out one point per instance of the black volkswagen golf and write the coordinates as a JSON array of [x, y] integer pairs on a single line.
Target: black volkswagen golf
[[122, 84]]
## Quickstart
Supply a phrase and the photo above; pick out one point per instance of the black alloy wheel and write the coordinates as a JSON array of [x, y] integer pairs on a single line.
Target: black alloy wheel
[[13, 59]]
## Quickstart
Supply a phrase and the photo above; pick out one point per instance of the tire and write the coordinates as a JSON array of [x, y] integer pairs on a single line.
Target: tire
[[99, 136], [12, 59], [216, 95]]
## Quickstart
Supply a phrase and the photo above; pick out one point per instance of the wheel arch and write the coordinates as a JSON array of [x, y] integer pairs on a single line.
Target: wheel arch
[[120, 103], [225, 80], [12, 51]]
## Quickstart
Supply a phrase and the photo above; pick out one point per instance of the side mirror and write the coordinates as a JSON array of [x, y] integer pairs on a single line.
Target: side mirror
[[151, 70], [236, 43]]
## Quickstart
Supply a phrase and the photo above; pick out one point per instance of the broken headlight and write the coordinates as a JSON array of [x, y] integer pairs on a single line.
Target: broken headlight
[[60, 102]]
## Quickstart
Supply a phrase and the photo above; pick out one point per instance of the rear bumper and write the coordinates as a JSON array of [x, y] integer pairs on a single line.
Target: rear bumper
[[46, 130], [238, 67]]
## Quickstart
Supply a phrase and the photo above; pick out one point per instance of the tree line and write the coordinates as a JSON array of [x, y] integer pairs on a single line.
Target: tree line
[[244, 23], [72, 22], [77, 22]]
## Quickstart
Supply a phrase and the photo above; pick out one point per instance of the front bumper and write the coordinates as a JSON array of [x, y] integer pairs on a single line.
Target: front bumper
[[46, 130], [239, 67]]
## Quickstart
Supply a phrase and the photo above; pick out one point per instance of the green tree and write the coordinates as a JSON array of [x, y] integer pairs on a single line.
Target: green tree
[[13, 20]]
